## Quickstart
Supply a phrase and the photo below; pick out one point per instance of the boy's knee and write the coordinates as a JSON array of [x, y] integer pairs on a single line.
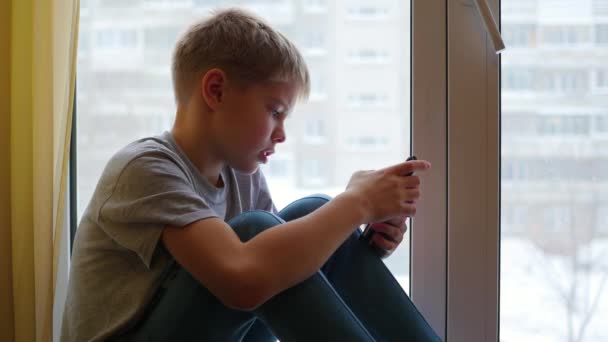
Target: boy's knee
[[315, 200], [303, 206], [251, 223]]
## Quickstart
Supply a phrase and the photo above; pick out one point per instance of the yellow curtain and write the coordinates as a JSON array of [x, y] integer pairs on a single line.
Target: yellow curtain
[[42, 60], [6, 281]]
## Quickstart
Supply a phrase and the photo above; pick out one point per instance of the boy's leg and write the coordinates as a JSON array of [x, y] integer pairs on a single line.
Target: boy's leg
[[374, 295], [259, 332], [309, 311], [184, 310], [367, 286], [187, 311]]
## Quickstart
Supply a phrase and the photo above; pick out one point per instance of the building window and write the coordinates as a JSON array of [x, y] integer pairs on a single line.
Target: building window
[[563, 170], [601, 34], [207, 3], [278, 168], [564, 125], [515, 79], [367, 13], [516, 170], [313, 173], [601, 124], [367, 99], [599, 8], [519, 124], [565, 81], [513, 218], [114, 4], [160, 38], [368, 56], [318, 89], [600, 83], [314, 5], [601, 220], [314, 131], [506, 170], [565, 35], [114, 38], [168, 3], [363, 142], [556, 219], [84, 41], [520, 35], [313, 43]]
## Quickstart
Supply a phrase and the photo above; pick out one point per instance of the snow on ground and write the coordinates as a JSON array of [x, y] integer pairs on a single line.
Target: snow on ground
[[530, 305]]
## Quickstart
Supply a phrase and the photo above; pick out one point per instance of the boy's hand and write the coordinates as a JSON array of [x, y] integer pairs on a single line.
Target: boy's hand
[[391, 234], [386, 193]]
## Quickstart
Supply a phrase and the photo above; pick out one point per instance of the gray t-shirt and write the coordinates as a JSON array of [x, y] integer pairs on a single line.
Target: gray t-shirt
[[117, 259]]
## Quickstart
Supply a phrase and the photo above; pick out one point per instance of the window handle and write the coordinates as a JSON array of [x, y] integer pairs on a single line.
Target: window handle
[[490, 24]]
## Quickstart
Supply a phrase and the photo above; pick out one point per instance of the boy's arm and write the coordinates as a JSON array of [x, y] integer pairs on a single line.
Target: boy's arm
[[245, 275]]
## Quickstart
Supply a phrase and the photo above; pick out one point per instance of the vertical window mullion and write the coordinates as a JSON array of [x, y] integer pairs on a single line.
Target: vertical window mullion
[[473, 177], [429, 135], [72, 177]]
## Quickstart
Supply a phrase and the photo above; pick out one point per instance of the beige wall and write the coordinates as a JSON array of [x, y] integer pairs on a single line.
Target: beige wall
[[6, 293]]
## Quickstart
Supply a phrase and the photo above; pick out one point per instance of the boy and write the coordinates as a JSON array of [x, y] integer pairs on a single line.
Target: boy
[[181, 240]]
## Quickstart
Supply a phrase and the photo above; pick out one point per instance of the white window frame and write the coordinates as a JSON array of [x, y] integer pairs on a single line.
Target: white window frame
[[428, 249], [473, 177], [455, 125], [455, 113]]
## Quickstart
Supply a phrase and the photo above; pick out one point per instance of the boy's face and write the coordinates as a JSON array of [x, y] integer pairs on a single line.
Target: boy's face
[[251, 122]]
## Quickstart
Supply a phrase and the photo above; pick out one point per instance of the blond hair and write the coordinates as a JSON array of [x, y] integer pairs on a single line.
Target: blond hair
[[242, 45]]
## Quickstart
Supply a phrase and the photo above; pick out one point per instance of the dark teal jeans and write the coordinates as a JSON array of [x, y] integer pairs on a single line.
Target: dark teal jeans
[[354, 297]]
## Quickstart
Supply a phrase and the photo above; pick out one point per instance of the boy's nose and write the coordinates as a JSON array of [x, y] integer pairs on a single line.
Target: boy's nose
[[278, 136], [277, 139]]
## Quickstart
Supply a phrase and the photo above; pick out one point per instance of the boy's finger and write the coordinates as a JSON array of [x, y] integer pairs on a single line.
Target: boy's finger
[[388, 231], [407, 167], [396, 221], [383, 243]]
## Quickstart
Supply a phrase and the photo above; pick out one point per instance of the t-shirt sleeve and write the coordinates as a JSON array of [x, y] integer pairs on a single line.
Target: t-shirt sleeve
[[151, 192], [264, 200]]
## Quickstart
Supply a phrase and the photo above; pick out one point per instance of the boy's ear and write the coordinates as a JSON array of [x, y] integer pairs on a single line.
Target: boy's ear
[[213, 86]]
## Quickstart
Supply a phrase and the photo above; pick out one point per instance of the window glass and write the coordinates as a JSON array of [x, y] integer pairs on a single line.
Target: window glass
[[554, 164], [348, 123]]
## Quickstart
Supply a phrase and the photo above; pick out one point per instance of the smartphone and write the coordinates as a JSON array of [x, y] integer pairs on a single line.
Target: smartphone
[[368, 232]]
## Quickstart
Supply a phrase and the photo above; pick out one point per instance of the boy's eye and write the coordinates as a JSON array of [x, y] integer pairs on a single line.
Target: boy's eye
[[275, 113]]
